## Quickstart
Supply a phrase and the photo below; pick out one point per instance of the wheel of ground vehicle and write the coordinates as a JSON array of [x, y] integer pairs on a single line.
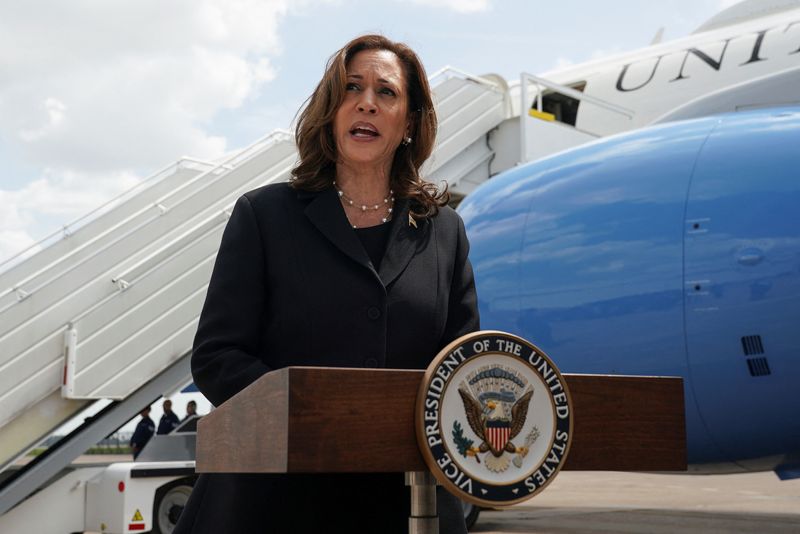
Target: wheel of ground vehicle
[[471, 513], [168, 505]]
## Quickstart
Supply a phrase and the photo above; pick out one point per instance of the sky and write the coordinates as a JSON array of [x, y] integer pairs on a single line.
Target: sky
[[96, 95]]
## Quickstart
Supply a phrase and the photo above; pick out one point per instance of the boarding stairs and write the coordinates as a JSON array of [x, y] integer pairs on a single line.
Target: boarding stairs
[[108, 309]]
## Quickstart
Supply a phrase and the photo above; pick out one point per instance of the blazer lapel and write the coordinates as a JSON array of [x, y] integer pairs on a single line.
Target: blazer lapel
[[325, 212], [403, 240]]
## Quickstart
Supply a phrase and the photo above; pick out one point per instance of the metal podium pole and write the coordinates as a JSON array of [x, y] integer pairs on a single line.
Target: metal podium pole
[[423, 518]]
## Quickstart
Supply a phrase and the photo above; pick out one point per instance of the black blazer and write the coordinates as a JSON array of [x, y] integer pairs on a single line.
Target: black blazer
[[292, 285]]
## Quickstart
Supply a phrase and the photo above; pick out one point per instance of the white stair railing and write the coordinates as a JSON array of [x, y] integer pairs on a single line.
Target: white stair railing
[[540, 84], [129, 292]]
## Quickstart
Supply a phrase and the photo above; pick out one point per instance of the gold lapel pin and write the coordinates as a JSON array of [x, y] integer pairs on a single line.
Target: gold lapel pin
[[412, 221]]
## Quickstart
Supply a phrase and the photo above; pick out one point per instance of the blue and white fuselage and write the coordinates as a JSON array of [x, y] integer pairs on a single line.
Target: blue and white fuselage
[[671, 250]]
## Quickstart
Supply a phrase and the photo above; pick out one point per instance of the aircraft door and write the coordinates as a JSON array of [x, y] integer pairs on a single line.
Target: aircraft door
[[742, 285]]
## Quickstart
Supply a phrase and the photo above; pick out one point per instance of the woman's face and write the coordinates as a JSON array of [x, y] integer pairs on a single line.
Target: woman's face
[[373, 118]]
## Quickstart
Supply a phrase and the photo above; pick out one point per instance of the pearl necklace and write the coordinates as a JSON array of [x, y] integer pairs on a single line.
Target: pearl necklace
[[363, 207], [388, 203]]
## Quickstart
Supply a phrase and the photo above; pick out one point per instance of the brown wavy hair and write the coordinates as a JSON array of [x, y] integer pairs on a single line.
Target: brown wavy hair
[[314, 133]]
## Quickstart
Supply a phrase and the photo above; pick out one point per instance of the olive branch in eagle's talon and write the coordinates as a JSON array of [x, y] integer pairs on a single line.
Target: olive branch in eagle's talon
[[463, 443]]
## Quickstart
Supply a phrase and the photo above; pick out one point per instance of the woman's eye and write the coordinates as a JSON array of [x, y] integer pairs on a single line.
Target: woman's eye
[[351, 87], [387, 91]]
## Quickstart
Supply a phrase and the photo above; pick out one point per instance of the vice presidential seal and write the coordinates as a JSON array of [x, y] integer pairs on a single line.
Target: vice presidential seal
[[494, 418]]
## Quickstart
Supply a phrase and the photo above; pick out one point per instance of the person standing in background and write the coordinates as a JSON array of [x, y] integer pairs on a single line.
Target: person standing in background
[[144, 431], [169, 420], [191, 410]]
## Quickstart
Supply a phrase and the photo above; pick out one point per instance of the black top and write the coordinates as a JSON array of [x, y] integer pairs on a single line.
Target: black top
[[167, 423], [293, 285], [373, 239], [144, 431]]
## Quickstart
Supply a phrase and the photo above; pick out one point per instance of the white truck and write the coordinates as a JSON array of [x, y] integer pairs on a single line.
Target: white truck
[[146, 495]]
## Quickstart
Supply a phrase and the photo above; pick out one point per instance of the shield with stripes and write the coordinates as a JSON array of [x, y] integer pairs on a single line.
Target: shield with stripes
[[498, 433]]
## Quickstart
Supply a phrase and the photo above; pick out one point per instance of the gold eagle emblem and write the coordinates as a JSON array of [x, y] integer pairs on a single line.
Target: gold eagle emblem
[[478, 420]]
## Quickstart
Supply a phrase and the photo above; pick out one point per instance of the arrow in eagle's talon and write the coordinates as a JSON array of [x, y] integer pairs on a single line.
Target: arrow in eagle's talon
[[473, 451]]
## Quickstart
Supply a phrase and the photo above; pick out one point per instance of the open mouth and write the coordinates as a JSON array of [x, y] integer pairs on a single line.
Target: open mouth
[[364, 131]]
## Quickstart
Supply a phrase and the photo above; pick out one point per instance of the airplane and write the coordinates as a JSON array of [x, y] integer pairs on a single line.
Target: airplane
[[746, 56], [671, 250], [667, 242], [62, 358]]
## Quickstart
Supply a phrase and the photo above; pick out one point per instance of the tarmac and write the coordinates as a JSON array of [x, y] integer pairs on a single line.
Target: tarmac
[[603, 502], [581, 502]]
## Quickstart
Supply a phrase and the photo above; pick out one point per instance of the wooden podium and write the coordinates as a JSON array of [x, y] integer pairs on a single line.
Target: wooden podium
[[334, 420]]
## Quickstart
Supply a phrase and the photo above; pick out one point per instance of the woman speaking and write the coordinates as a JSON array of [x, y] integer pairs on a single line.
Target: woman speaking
[[356, 262]]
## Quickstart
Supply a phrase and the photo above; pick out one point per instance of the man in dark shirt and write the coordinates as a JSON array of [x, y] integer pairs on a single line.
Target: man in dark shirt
[[143, 433], [169, 420]]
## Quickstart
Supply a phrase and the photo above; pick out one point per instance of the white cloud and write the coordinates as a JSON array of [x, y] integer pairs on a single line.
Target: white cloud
[[95, 93], [110, 85], [13, 235], [562, 63], [600, 53], [69, 195], [55, 199], [460, 6], [55, 111], [725, 4]]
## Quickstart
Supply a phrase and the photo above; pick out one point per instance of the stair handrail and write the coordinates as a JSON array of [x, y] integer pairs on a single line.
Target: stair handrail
[[526, 77], [225, 165], [539, 82], [449, 71], [67, 229]]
